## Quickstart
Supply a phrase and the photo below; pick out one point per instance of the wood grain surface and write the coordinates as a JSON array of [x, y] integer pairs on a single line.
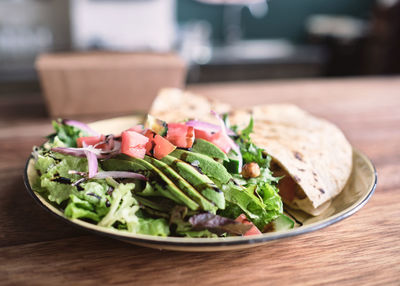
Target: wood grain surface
[[38, 249]]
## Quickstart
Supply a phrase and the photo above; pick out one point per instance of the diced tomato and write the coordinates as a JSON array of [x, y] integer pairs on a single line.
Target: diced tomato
[[150, 144], [201, 134], [180, 135], [90, 140], [136, 152], [222, 141], [137, 128], [162, 147], [219, 139], [253, 230], [133, 144], [157, 146]]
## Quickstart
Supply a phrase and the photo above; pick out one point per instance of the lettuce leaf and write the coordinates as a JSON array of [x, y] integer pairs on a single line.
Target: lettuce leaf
[[78, 208], [217, 224], [123, 208], [244, 200], [65, 133], [152, 226], [55, 178]]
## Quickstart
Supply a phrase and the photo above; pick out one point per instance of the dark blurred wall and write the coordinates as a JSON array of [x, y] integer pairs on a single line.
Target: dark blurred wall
[[285, 19]]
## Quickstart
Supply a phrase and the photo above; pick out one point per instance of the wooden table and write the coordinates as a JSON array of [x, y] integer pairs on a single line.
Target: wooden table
[[38, 249]]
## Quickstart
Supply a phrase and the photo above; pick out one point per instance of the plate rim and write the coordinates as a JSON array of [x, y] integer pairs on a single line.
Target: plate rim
[[182, 242]]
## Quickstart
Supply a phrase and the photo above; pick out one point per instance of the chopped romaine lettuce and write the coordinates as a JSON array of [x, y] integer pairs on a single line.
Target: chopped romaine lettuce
[[78, 208], [123, 208], [152, 226], [246, 200]]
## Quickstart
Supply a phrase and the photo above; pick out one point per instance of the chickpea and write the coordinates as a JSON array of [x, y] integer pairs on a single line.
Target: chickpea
[[250, 170]]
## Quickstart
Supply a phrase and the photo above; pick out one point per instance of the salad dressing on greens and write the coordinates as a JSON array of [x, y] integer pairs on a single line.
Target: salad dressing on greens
[[164, 179]]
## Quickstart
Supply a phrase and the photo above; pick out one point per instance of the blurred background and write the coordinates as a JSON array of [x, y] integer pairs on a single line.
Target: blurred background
[[218, 40]]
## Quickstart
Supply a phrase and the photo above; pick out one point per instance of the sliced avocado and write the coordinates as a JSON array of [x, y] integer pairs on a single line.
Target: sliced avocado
[[234, 165], [158, 126], [182, 184], [157, 203], [207, 148], [199, 181], [158, 180], [282, 223], [207, 165]]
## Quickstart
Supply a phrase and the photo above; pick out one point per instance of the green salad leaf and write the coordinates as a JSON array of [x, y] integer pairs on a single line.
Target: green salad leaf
[[67, 134], [150, 226], [55, 178], [79, 208], [245, 200], [257, 197], [123, 208]]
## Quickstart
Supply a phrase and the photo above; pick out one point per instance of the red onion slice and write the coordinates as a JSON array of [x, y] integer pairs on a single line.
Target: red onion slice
[[80, 152], [234, 146], [81, 126], [93, 165], [205, 126], [77, 152]]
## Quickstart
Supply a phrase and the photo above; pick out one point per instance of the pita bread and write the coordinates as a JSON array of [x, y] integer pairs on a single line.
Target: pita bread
[[174, 105], [312, 151]]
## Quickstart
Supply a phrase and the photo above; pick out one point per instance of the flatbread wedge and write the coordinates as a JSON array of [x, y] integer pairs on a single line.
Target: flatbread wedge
[[313, 155]]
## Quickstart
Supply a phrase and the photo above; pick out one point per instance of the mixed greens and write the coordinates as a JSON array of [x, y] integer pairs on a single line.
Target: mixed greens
[[191, 179]]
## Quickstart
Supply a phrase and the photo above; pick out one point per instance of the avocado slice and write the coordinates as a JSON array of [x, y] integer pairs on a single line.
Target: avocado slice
[[199, 181], [207, 165], [159, 181], [207, 148], [234, 165], [182, 184], [282, 223], [161, 204], [158, 126]]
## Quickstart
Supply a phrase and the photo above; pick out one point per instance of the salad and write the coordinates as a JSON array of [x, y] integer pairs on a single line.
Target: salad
[[188, 179]]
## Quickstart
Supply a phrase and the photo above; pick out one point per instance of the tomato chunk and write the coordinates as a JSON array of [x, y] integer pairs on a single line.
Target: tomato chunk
[[201, 134], [253, 230], [219, 139], [133, 144], [162, 147], [157, 146], [222, 141], [150, 144], [89, 140], [180, 135]]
